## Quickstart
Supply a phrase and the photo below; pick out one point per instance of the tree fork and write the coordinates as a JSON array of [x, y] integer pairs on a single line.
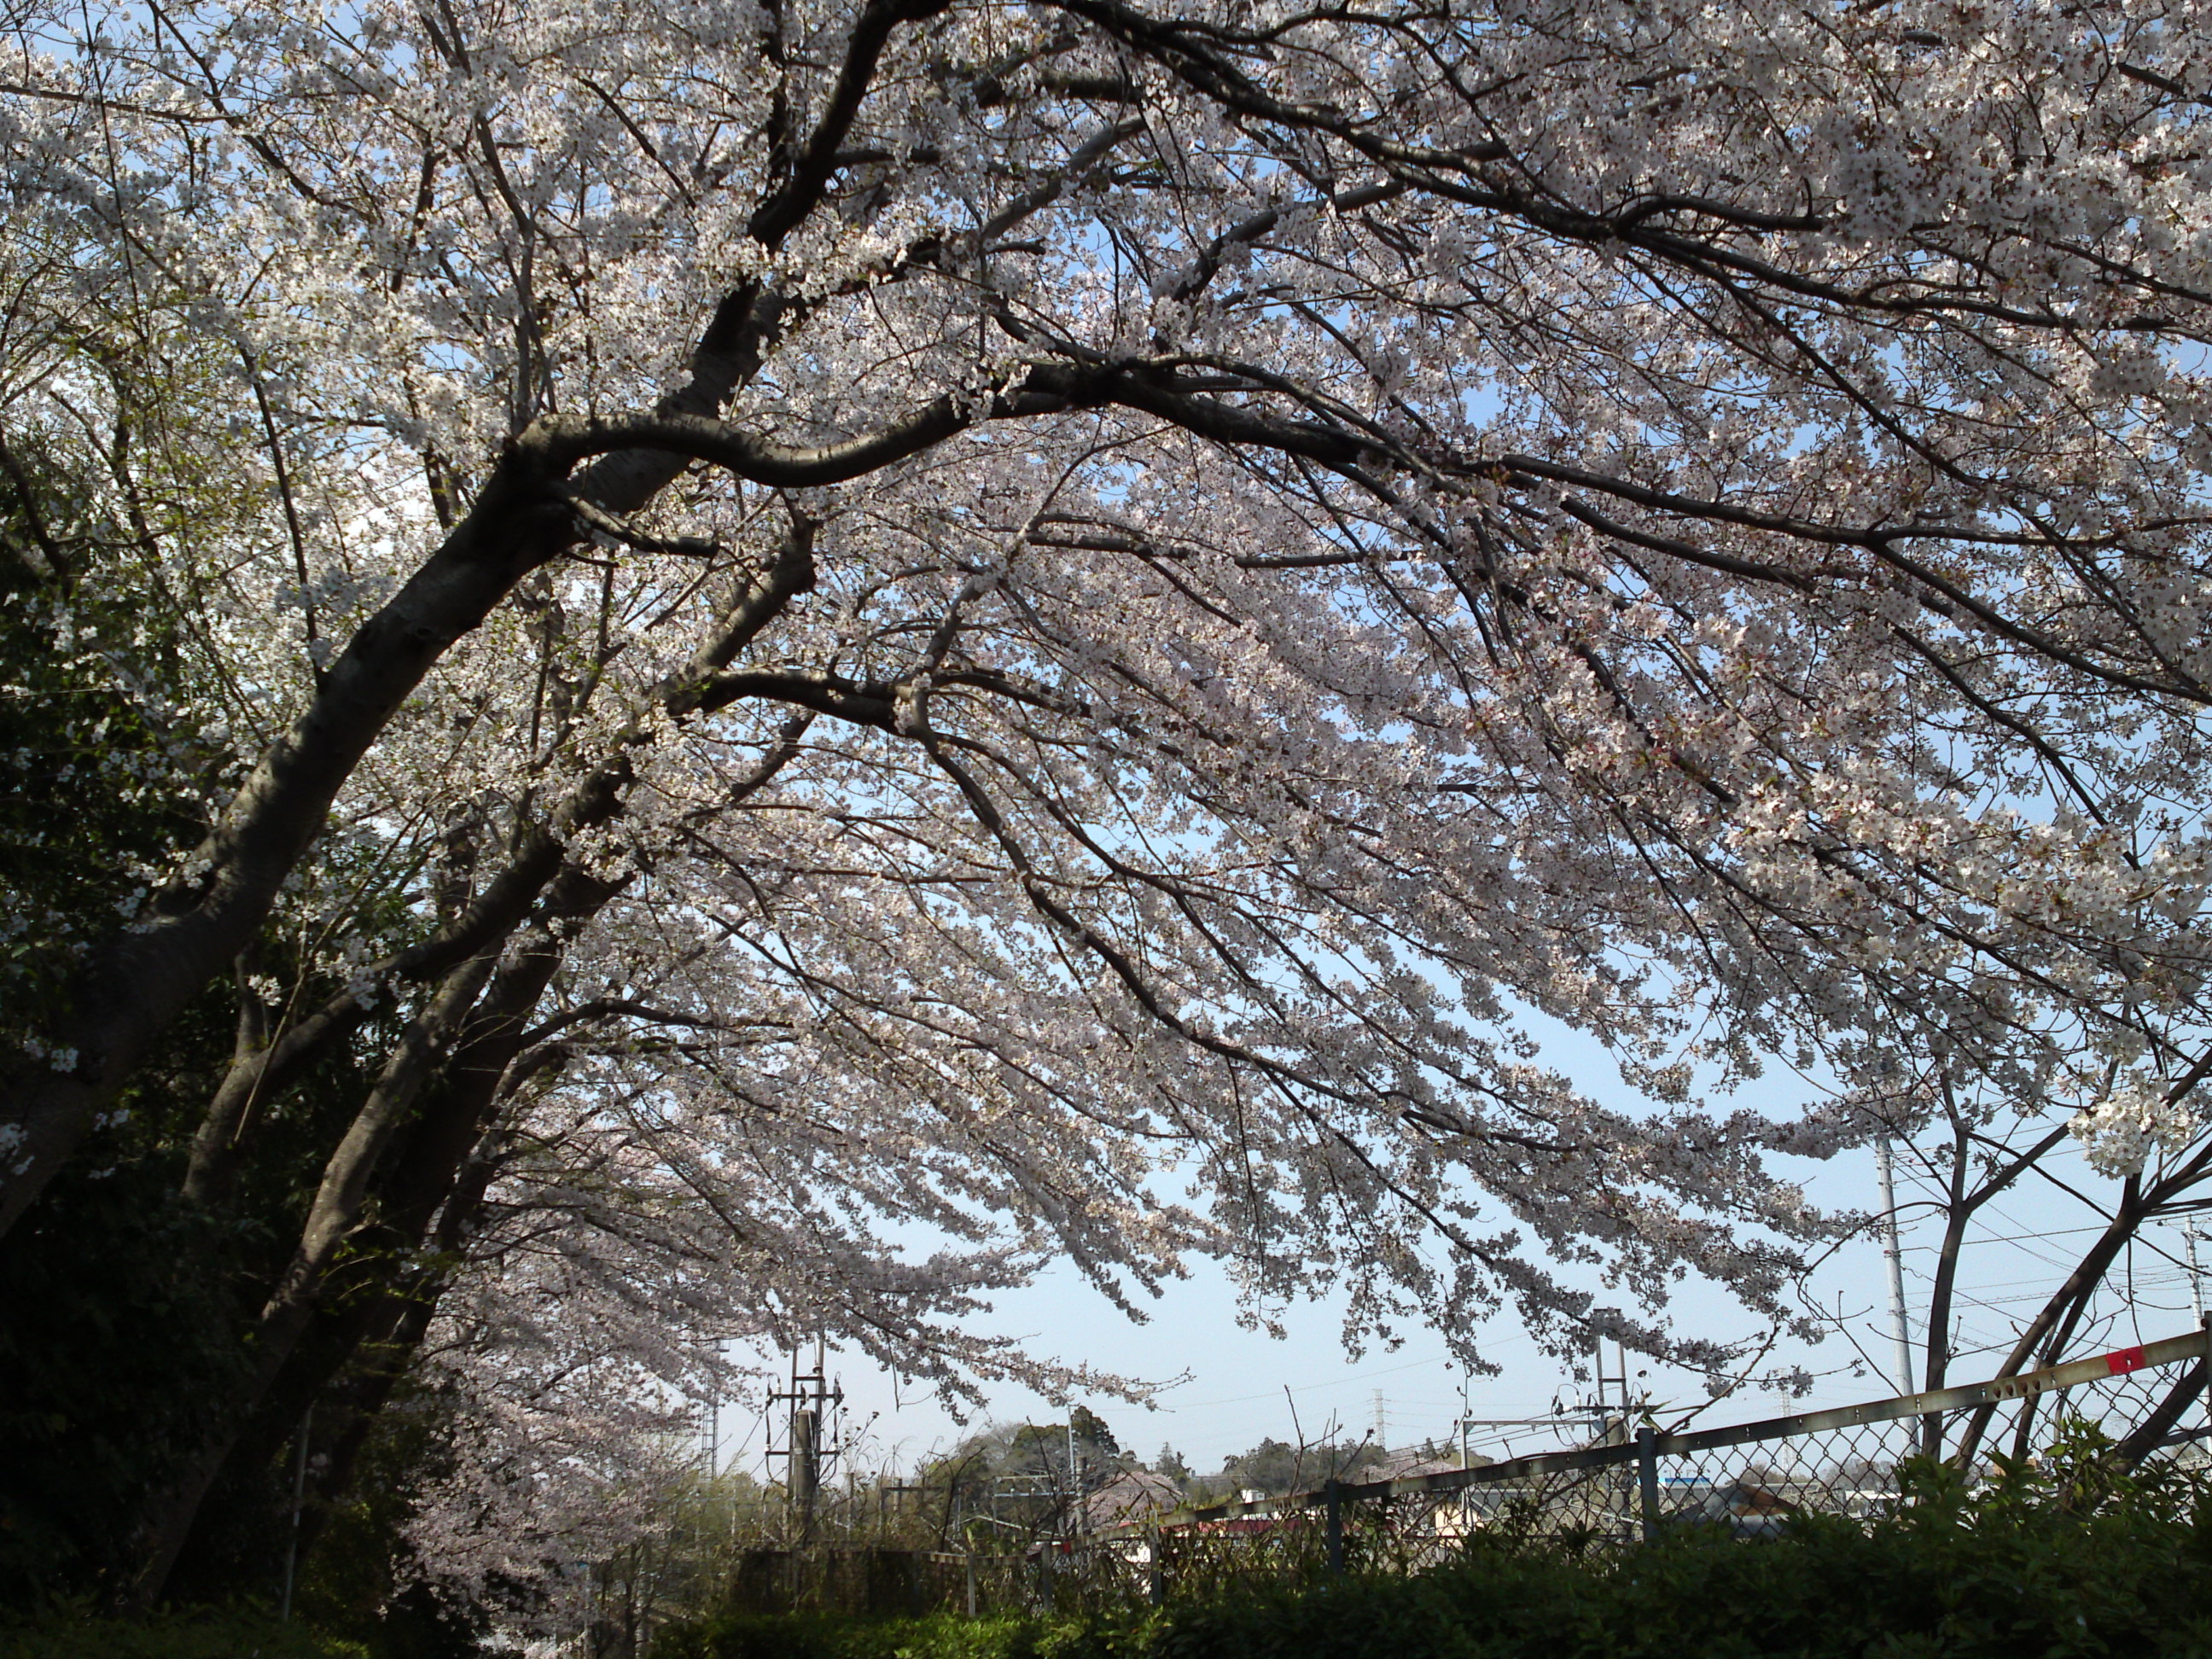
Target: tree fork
[[142, 977]]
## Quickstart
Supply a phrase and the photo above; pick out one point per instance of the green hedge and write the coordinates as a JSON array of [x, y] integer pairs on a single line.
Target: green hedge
[[1979, 1579], [228, 1633]]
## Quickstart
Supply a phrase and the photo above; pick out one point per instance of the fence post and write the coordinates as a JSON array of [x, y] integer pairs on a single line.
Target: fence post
[[1157, 1588], [1333, 1502], [969, 1559], [1647, 1479]]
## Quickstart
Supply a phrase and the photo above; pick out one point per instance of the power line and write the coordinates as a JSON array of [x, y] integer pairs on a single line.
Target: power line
[[1305, 1387]]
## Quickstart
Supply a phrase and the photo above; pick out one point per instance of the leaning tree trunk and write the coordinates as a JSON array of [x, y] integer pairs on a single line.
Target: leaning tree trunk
[[464, 1044], [331, 1221]]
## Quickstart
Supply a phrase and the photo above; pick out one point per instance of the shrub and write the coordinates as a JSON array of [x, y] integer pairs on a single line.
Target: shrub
[[2058, 1560], [76, 1633]]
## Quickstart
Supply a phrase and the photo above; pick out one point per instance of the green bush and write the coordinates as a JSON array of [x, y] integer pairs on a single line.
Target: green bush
[[938, 1636], [2056, 1561], [227, 1634]]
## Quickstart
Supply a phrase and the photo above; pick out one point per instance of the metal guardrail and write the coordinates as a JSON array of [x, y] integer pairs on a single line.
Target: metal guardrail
[[2190, 1345]]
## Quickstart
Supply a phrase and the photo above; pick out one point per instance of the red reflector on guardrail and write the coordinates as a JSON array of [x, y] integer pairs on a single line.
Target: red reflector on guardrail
[[2123, 1359]]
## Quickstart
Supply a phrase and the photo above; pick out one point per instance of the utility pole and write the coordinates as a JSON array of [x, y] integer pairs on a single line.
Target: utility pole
[[1895, 1257], [1612, 1429], [812, 1401], [1608, 1423], [1465, 1378], [805, 1465]]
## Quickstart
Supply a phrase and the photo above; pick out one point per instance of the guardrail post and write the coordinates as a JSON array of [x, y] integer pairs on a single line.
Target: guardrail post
[[1157, 1586], [1333, 1503], [1647, 1479]]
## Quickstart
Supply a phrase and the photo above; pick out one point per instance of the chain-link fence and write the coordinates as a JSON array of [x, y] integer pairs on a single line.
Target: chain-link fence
[[2140, 1404]]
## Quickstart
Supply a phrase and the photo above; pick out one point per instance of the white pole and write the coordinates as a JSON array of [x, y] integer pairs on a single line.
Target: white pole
[[1895, 1257], [2196, 1290], [1075, 1516], [2196, 1285]]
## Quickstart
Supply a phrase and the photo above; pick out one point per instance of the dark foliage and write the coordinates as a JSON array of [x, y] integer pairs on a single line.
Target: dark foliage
[[2054, 1560]]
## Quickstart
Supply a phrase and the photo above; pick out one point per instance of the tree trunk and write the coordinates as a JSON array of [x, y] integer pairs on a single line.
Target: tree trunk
[[469, 1036], [466, 1040], [1958, 1213], [2148, 1435]]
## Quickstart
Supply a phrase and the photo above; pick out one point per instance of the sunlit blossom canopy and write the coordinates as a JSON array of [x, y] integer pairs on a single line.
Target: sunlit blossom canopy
[[1054, 628]]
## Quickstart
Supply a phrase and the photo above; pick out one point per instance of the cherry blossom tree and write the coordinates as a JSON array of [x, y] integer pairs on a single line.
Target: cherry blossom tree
[[1052, 623]]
